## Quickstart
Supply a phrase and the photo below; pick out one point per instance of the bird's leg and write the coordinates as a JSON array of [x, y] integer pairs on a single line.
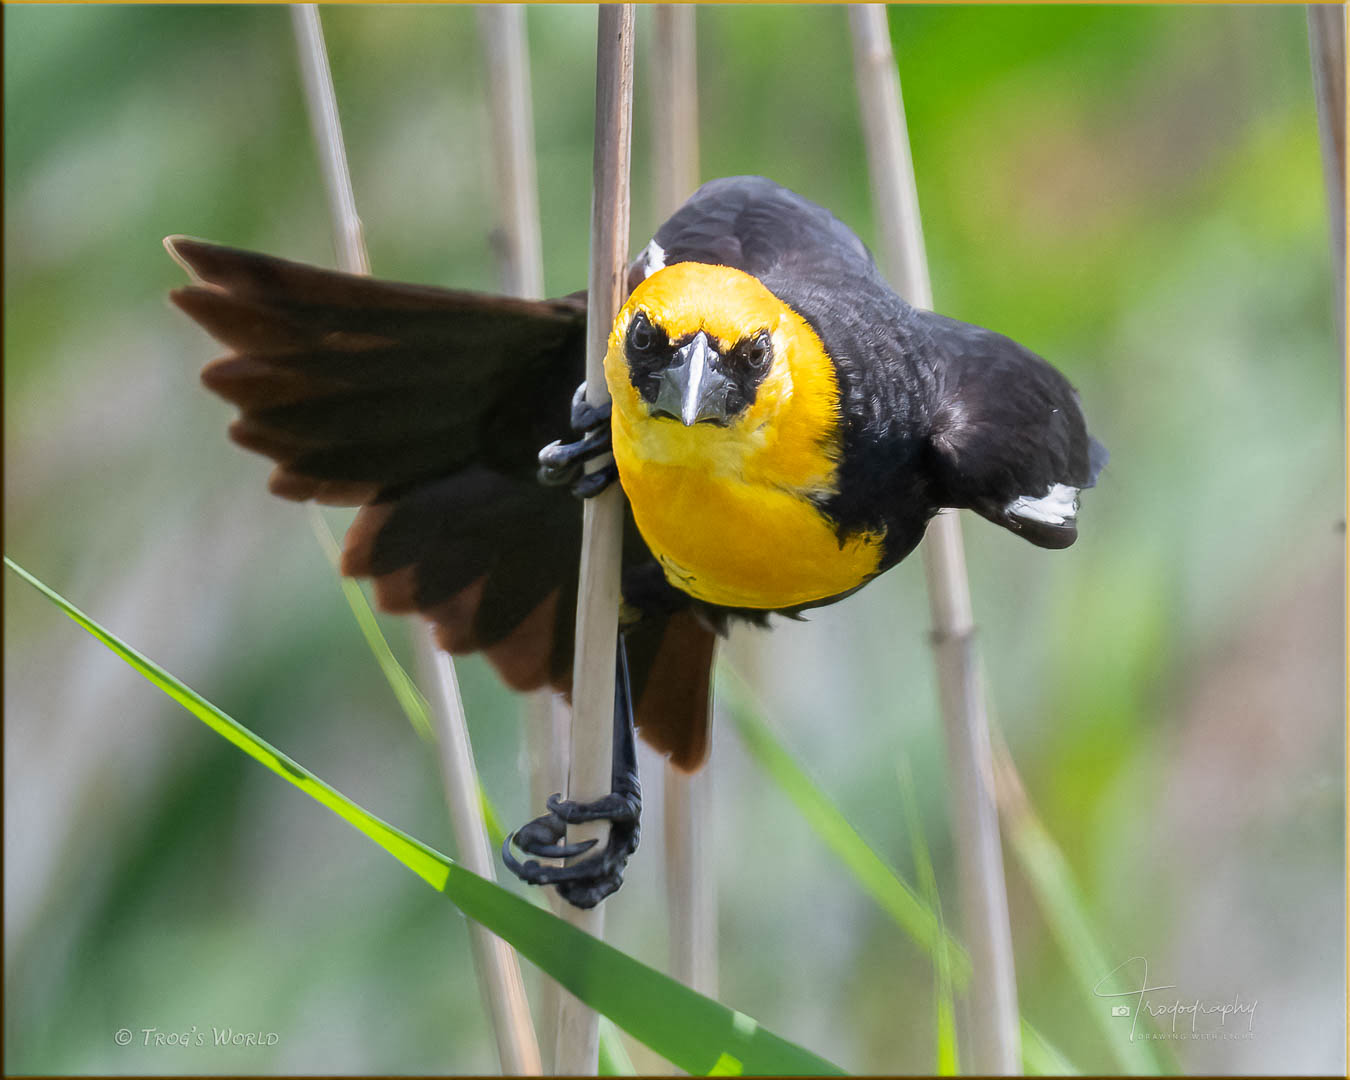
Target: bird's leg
[[585, 883], [564, 463]]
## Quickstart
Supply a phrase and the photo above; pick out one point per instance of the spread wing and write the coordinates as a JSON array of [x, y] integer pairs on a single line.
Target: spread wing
[[427, 407], [1008, 438], [1008, 435]]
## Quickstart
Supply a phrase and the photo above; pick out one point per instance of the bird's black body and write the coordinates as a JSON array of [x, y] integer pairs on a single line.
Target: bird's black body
[[937, 413], [817, 266], [428, 407]]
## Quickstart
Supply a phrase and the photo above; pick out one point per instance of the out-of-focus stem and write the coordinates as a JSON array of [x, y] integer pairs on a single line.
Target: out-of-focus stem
[[1326, 44], [498, 969], [995, 1038], [321, 100], [519, 248]]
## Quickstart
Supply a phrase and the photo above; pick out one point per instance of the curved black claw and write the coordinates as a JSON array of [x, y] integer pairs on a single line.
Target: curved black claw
[[562, 463], [582, 884], [585, 416], [606, 875], [619, 807], [592, 483], [540, 837], [565, 462]]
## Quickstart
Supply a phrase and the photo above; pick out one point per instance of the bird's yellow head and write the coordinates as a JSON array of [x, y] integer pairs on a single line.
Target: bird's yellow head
[[709, 370]]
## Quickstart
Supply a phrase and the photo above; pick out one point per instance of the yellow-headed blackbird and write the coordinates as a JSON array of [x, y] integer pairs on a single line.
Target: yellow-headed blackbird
[[783, 426]]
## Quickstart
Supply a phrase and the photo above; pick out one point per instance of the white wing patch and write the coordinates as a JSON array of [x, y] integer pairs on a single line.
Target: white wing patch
[[653, 259], [1058, 506]]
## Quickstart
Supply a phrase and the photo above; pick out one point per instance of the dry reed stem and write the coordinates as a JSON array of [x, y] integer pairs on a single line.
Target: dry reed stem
[[519, 248], [1326, 45], [590, 763], [691, 889], [321, 101], [995, 1035], [498, 969], [498, 966]]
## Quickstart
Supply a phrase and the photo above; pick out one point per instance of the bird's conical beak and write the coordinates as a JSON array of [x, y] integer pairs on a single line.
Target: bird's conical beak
[[692, 390]]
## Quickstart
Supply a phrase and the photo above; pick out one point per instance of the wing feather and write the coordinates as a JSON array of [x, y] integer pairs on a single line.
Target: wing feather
[[1008, 434], [426, 407]]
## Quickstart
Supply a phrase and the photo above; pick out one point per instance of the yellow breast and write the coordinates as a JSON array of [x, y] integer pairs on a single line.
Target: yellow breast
[[739, 544], [728, 511]]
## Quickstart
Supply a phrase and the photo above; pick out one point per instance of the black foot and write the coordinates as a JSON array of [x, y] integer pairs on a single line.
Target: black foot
[[586, 416], [582, 884], [586, 882], [565, 463]]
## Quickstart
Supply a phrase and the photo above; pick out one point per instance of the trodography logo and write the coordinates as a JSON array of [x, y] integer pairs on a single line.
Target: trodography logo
[[1175, 1015]]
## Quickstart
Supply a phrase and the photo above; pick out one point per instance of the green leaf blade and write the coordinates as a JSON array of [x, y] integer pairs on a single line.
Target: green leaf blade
[[693, 1032], [915, 916], [901, 902]]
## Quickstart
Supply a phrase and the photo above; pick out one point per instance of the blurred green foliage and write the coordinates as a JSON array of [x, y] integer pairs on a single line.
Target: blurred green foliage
[[1135, 193]]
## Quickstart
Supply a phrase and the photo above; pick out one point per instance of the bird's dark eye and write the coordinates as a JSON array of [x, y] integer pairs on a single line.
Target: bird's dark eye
[[759, 352], [643, 338]]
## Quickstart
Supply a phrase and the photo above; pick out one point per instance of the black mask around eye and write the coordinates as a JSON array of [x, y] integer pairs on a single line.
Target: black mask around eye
[[690, 380], [649, 352]]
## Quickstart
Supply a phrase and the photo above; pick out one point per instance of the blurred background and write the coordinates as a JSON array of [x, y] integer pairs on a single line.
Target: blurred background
[[1134, 193]]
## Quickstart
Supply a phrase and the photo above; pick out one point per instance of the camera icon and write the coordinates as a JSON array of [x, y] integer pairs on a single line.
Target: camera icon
[[1120, 1010]]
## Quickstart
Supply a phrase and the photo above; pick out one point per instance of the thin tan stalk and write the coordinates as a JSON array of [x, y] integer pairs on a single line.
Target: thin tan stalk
[[521, 266], [498, 969], [995, 1038], [1326, 44], [548, 725], [1066, 911], [674, 98], [321, 100], [691, 889], [497, 964], [519, 249], [602, 526]]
